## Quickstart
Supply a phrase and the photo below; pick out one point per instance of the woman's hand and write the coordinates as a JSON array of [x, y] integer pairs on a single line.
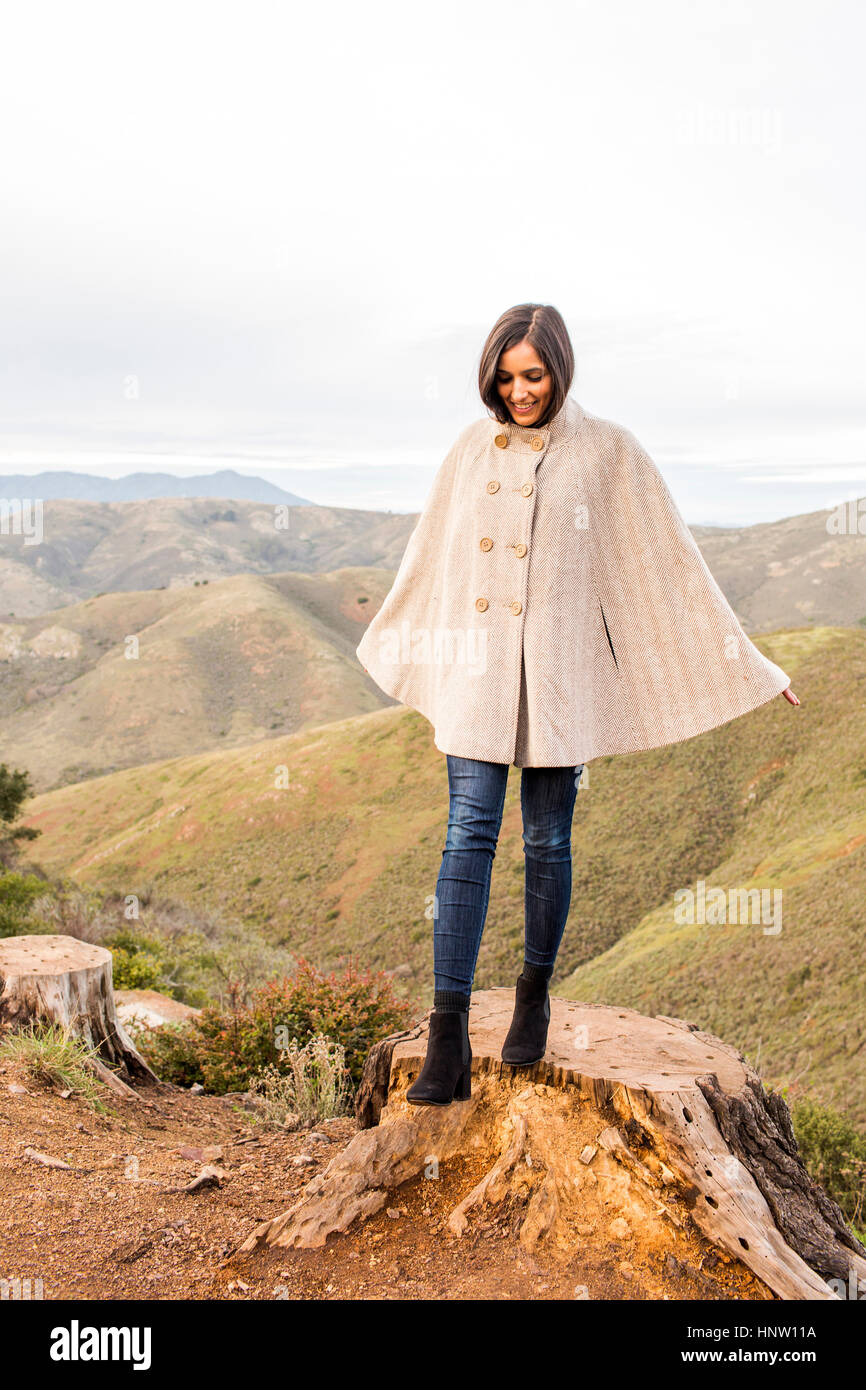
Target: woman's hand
[[790, 696]]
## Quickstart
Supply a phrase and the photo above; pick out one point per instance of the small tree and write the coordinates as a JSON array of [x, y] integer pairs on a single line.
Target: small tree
[[14, 791]]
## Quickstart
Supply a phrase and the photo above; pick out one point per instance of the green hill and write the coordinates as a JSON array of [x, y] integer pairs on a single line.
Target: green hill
[[794, 999], [339, 852]]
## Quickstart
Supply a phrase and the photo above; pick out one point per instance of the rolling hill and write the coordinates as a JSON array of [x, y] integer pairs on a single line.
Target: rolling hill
[[239, 658], [776, 574], [90, 548], [329, 842], [784, 573], [129, 678]]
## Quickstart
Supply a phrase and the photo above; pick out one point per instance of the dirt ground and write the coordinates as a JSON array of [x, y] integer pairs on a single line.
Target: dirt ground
[[114, 1226]]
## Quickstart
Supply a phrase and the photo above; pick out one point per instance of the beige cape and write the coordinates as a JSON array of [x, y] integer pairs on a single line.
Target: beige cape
[[557, 557]]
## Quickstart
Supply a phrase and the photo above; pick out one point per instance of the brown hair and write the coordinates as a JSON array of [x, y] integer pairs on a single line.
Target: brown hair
[[543, 327]]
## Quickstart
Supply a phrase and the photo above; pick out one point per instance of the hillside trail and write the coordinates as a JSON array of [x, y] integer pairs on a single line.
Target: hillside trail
[[113, 1224]]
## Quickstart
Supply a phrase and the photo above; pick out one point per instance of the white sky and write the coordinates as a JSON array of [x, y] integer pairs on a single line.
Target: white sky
[[273, 237]]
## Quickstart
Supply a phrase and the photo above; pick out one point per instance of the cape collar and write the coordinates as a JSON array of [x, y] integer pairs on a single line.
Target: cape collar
[[524, 438]]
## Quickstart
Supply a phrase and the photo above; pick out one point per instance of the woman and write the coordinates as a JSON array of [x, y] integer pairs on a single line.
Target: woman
[[551, 607]]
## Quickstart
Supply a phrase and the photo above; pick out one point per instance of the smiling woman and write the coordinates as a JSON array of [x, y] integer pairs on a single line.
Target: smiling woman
[[527, 365], [582, 621]]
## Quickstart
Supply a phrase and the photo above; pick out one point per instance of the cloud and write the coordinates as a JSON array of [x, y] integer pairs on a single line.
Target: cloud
[[283, 234]]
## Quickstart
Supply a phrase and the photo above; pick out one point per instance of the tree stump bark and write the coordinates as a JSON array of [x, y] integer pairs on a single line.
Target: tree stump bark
[[58, 979], [667, 1123]]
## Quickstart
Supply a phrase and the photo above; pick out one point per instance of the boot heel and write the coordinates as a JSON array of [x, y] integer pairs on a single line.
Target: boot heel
[[463, 1089], [445, 1075]]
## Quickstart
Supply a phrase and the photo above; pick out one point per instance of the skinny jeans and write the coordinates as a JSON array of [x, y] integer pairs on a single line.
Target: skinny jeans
[[477, 798]]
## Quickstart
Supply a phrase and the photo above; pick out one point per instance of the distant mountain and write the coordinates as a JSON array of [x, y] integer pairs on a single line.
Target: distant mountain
[[139, 487], [128, 678]]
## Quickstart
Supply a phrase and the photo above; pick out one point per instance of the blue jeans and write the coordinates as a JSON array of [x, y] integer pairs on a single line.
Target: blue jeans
[[477, 796]]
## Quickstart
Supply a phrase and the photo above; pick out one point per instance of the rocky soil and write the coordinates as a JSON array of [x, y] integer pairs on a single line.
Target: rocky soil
[[152, 1200]]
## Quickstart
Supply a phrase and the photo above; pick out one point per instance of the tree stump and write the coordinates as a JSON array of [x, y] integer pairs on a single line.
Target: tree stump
[[649, 1117], [58, 979]]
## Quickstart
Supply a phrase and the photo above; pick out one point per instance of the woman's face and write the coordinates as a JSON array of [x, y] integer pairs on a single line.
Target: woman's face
[[524, 383]]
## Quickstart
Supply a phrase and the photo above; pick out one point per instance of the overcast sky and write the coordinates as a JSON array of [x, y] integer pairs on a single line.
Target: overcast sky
[[273, 237]]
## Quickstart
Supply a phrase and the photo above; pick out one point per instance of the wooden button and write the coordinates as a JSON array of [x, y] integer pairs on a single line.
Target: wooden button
[[486, 543], [493, 486], [501, 440], [537, 442], [481, 604], [516, 607], [520, 550], [527, 489]]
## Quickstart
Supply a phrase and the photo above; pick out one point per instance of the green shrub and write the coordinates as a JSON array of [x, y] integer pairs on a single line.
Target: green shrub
[[135, 969], [18, 893], [834, 1152], [227, 1045], [137, 961]]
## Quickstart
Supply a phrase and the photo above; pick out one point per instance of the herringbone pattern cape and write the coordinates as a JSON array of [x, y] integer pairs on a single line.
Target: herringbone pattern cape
[[551, 605]]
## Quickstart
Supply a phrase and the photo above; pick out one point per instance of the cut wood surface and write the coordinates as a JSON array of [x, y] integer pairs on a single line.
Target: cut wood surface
[[61, 980], [669, 1124]]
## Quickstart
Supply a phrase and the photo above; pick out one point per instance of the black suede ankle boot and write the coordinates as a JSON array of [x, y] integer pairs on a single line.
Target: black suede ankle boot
[[527, 1037], [446, 1074]]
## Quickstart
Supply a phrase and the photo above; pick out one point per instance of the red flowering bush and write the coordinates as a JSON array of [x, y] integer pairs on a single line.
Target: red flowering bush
[[224, 1046]]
